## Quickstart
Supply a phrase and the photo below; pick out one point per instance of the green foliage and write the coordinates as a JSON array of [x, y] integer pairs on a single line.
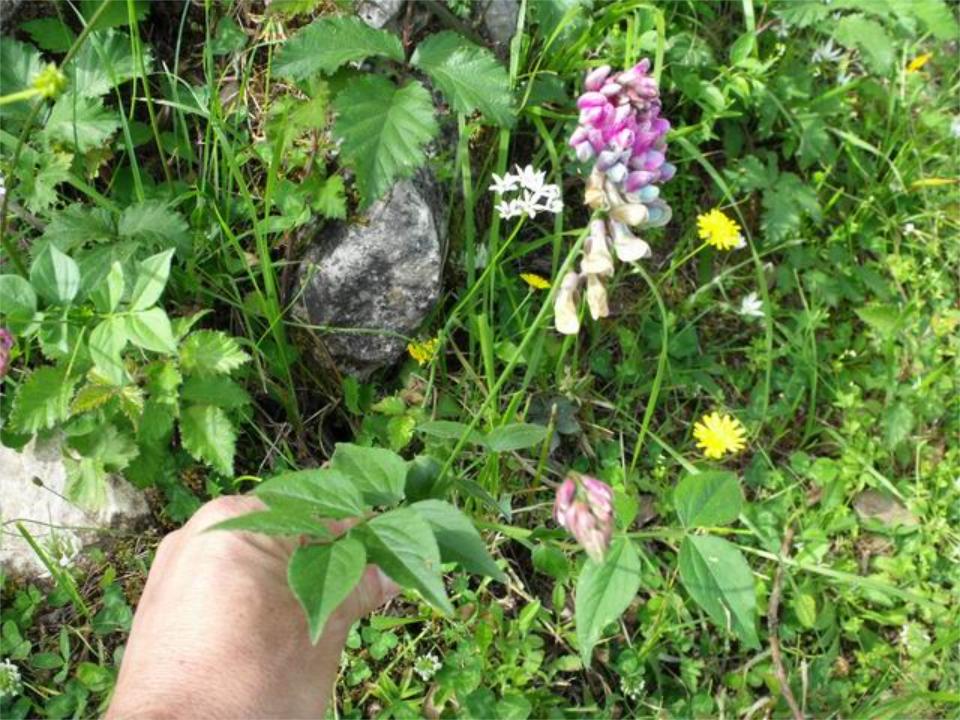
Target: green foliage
[[708, 499], [322, 576], [327, 44]]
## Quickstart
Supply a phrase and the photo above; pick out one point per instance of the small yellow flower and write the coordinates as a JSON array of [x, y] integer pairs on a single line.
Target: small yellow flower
[[536, 282], [717, 229], [918, 62], [718, 435], [425, 351], [50, 82]]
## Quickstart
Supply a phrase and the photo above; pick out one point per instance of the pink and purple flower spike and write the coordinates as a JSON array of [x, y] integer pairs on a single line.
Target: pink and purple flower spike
[[584, 506], [6, 342]]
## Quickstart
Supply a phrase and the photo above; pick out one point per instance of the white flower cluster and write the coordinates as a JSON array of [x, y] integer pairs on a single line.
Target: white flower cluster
[[536, 194], [10, 684], [63, 547], [751, 306], [426, 666]]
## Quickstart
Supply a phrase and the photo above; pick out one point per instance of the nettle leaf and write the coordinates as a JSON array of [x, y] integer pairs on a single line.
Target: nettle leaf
[[457, 538], [151, 280], [604, 590], [208, 435], [104, 61], [42, 400], [154, 222], [515, 436], [380, 475], [18, 302], [325, 45], [215, 390], [211, 352], [106, 342], [324, 492], [384, 129], [331, 200], [708, 499], [150, 330], [718, 578], [77, 224], [468, 75], [79, 123], [285, 521], [402, 544], [870, 37], [20, 63], [322, 576], [55, 276]]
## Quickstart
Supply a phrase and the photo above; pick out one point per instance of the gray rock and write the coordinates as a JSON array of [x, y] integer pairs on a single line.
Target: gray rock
[[500, 20], [380, 276], [32, 489], [8, 9], [377, 13]]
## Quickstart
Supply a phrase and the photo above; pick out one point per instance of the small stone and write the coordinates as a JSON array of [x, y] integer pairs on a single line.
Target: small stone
[[377, 13], [32, 491], [877, 506], [500, 20], [380, 276]]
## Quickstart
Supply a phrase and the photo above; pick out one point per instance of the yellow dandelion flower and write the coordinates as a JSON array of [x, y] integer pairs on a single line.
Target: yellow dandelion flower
[[719, 230], [918, 62], [424, 351], [718, 435], [536, 282]]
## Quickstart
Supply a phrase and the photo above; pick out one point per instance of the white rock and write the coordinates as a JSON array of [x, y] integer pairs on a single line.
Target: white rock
[[377, 13], [32, 491]]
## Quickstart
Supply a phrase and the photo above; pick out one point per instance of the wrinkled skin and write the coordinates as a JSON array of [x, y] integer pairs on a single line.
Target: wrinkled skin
[[219, 634]]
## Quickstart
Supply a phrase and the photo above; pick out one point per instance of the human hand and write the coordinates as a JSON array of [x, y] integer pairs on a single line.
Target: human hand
[[218, 633]]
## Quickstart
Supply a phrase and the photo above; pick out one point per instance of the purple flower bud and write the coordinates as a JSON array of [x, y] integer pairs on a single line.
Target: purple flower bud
[[592, 99], [6, 342], [578, 136], [607, 159], [617, 172], [595, 78], [565, 494], [667, 171], [584, 506], [584, 151], [637, 179], [652, 159], [610, 89]]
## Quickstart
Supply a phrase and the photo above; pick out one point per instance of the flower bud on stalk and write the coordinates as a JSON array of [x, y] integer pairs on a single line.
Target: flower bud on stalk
[[584, 506]]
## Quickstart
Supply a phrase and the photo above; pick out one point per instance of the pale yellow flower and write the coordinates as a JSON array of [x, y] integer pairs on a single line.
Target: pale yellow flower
[[424, 351], [597, 297], [718, 435], [918, 62], [50, 82], [565, 305], [719, 230], [536, 282]]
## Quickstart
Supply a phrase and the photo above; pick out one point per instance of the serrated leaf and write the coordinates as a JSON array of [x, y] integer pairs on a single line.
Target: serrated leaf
[[331, 200], [86, 482], [380, 475], [18, 302], [20, 63], [42, 400], [469, 75], [718, 578], [936, 16], [208, 435], [211, 352], [322, 576], [151, 279], [457, 538], [402, 544], [55, 276], [384, 130], [215, 390], [79, 123], [515, 436], [870, 37], [898, 424], [40, 186], [76, 225], [104, 61], [324, 492], [107, 340], [327, 44], [49, 34], [285, 521], [708, 499], [785, 204], [604, 590], [92, 396], [150, 330], [154, 222]]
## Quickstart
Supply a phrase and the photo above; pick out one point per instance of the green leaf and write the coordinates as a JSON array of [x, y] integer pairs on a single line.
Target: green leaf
[[402, 544], [18, 302], [276, 521], [154, 222], [116, 13], [450, 430], [20, 63], [49, 34], [208, 435], [107, 341], [708, 499], [718, 578], [42, 400], [331, 201], [229, 37], [805, 607], [898, 424], [384, 129], [604, 590], [859, 31], [324, 492], [936, 16], [151, 279], [106, 295], [86, 482], [40, 187], [211, 352], [457, 538], [380, 475], [76, 225], [322, 576], [104, 61], [326, 44], [216, 390], [79, 123], [515, 436], [785, 205], [884, 319], [150, 330], [469, 76], [55, 276]]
